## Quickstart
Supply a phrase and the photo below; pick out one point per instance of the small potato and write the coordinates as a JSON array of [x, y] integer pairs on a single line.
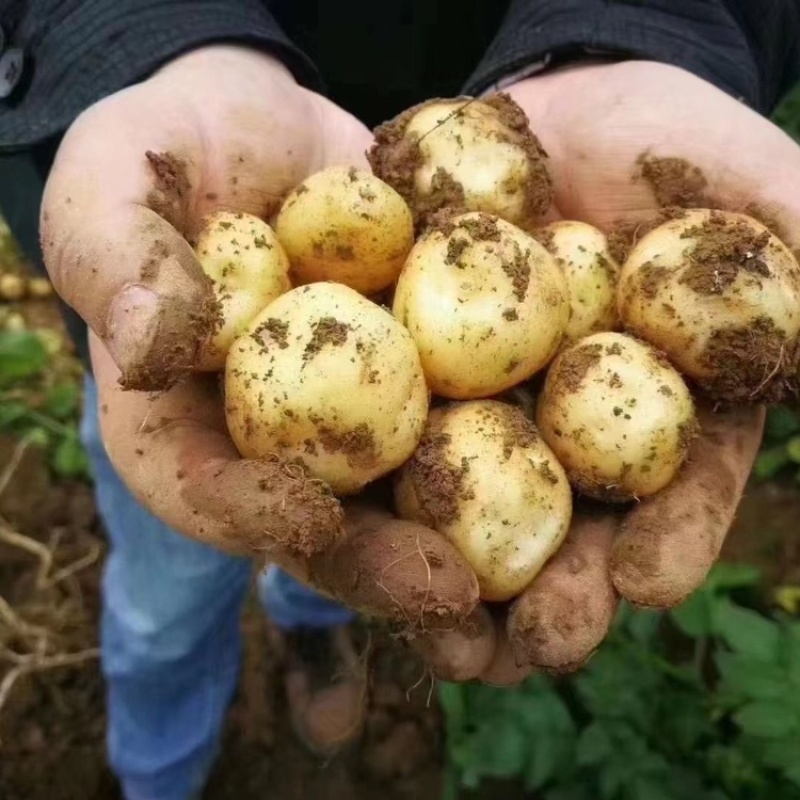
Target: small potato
[[485, 303], [12, 287], [467, 154], [328, 378], [720, 296], [249, 269], [484, 478], [618, 417], [582, 252], [39, 288], [345, 225]]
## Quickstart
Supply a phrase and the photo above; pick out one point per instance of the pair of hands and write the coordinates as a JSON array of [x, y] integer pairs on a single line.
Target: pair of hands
[[114, 235]]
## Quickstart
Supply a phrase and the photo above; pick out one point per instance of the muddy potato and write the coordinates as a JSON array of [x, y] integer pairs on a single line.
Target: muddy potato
[[345, 225], [248, 268], [485, 303], [581, 250], [618, 417], [328, 378], [475, 155], [720, 296], [483, 477]]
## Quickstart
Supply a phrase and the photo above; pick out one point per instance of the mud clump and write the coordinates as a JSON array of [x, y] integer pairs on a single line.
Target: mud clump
[[625, 234], [519, 271], [749, 364], [170, 195], [358, 444], [327, 330], [674, 181], [574, 364], [723, 249], [275, 329], [438, 484]]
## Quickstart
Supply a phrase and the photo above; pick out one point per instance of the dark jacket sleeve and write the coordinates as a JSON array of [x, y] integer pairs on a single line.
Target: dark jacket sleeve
[[78, 51], [748, 48]]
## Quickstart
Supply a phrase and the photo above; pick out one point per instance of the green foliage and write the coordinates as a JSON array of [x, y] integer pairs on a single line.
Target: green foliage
[[787, 115], [702, 702], [780, 451], [39, 402]]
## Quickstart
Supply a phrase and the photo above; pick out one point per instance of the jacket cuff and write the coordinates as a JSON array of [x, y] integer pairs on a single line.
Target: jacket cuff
[[709, 43], [82, 52]]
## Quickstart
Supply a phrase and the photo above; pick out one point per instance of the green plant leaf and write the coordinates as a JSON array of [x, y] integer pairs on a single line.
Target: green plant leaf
[[751, 678], [746, 631], [781, 423], [771, 461], [793, 449], [728, 575], [594, 745], [22, 355], [766, 718], [69, 458], [695, 616], [11, 411], [62, 400]]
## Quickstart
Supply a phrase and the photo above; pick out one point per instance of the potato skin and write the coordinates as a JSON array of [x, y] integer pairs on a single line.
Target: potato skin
[[582, 252], [485, 303], [328, 378], [248, 268], [484, 478], [719, 295], [618, 417], [345, 225], [465, 154]]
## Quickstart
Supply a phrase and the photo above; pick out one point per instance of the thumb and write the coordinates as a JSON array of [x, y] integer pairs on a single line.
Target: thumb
[[114, 215]]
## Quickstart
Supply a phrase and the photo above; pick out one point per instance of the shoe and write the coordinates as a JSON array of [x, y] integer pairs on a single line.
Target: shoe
[[326, 687]]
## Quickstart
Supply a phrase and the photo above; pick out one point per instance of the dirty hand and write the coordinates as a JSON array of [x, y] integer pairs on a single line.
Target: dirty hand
[[220, 128], [596, 123]]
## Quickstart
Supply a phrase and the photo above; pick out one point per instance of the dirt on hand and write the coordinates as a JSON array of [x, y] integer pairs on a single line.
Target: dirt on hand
[[674, 181]]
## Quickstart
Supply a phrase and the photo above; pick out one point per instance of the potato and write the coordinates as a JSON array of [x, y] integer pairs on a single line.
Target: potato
[[326, 377], [345, 225], [582, 252], [485, 303], [12, 287], [247, 265], [618, 417], [483, 477], [720, 296], [467, 154]]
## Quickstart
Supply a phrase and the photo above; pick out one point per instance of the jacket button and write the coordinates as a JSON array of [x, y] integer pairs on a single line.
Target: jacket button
[[10, 70]]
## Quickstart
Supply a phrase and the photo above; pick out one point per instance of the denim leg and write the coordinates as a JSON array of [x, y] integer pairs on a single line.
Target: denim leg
[[292, 605], [170, 639]]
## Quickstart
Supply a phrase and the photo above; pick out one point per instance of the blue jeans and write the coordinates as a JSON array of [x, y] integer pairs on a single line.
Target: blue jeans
[[170, 636]]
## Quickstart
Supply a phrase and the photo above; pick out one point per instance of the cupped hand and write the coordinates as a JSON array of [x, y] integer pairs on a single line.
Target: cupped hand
[[623, 140], [222, 128]]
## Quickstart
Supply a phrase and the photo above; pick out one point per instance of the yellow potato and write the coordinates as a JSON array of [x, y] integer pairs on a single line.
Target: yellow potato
[[345, 225], [485, 303], [328, 378], [582, 252], [720, 296], [249, 269], [483, 477], [618, 417], [472, 155]]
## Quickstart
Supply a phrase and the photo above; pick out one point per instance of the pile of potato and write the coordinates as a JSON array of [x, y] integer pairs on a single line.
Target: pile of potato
[[417, 321]]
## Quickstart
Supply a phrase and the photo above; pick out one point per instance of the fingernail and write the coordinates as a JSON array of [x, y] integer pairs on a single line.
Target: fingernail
[[131, 325]]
